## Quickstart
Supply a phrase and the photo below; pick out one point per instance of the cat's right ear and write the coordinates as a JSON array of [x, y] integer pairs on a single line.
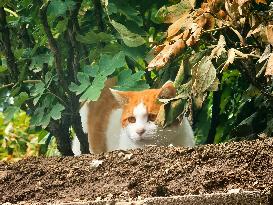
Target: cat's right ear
[[120, 96]]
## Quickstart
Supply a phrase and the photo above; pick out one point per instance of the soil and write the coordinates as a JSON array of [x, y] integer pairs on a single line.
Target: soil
[[140, 173]]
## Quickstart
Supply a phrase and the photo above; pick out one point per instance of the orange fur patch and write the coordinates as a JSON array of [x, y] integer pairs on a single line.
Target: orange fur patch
[[147, 97]]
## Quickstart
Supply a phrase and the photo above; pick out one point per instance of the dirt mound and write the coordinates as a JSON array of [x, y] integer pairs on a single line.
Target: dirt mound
[[140, 173]]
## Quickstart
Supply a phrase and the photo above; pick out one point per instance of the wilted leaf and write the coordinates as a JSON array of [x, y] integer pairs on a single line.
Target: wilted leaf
[[231, 57], [204, 75], [269, 34], [183, 22], [266, 54], [129, 38], [261, 1], [219, 49], [254, 31], [177, 44], [269, 67]]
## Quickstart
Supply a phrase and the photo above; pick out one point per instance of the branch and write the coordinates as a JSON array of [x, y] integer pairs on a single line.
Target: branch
[[11, 62], [53, 46], [24, 81], [98, 14]]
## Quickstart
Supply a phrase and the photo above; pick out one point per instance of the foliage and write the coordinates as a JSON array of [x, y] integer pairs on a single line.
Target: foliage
[[17, 140], [57, 53]]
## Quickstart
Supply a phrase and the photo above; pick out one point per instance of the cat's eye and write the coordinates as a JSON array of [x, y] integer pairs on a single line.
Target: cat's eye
[[152, 117], [131, 119]]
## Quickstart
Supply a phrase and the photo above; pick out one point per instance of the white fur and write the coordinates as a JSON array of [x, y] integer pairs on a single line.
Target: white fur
[[84, 115], [128, 138]]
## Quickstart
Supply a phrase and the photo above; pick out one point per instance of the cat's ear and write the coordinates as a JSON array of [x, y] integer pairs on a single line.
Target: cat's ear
[[120, 96], [167, 91]]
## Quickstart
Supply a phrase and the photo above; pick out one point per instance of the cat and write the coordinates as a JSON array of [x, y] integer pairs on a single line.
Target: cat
[[126, 120]]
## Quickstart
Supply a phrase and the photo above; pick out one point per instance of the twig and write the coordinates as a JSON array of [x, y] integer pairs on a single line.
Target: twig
[[24, 81], [53, 46], [11, 62]]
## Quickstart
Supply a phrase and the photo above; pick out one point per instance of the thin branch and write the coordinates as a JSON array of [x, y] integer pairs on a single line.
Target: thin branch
[[11, 62], [53, 46], [98, 14], [24, 81]]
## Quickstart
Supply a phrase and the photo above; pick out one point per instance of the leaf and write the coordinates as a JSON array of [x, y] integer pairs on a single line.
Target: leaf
[[129, 81], [56, 111], [20, 99], [266, 54], [84, 83], [183, 22], [219, 49], [129, 38], [3, 68], [93, 92], [9, 112], [170, 50], [172, 13], [204, 75], [269, 67], [93, 38], [58, 8], [231, 57], [128, 11], [269, 34], [261, 1]]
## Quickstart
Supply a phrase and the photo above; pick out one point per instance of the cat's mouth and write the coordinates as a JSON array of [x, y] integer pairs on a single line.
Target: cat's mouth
[[144, 139]]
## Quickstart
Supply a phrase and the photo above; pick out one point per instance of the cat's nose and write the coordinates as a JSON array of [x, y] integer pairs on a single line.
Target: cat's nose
[[140, 131]]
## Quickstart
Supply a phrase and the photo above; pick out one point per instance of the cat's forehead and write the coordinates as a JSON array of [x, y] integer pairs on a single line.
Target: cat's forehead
[[143, 100]]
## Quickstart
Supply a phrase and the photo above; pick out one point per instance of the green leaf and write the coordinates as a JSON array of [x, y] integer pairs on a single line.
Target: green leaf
[[128, 11], [129, 81], [56, 112], [93, 38], [3, 2], [93, 92], [9, 112], [129, 38], [107, 64], [84, 83], [58, 8], [20, 99], [3, 68]]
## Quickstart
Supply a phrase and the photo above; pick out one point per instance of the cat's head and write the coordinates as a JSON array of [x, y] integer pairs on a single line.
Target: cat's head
[[140, 109]]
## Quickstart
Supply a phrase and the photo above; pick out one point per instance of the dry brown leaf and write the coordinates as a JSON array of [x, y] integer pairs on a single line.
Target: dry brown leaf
[[219, 49], [261, 1], [254, 31], [269, 67], [241, 2], [231, 57], [269, 34], [183, 22], [172, 49], [174, 12]]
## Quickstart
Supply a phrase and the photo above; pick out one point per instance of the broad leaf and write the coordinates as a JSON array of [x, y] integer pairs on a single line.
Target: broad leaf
[[129, 38]]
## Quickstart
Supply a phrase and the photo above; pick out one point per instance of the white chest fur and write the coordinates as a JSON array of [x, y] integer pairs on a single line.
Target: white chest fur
[[118, 137]]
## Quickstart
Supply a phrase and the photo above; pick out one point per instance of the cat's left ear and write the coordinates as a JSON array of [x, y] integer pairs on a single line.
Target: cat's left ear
[[120, 96], [167, 91]]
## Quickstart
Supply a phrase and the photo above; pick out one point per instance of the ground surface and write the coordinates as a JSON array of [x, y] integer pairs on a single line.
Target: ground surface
[[136, 174]]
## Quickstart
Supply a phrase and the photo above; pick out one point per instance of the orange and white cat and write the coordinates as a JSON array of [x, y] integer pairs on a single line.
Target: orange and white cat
[[126, 120]]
